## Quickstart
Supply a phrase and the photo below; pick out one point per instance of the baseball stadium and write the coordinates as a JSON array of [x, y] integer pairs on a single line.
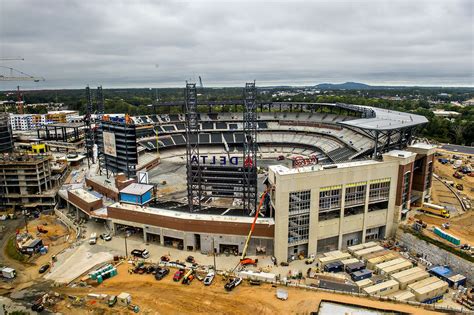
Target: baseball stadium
[[303, 178]]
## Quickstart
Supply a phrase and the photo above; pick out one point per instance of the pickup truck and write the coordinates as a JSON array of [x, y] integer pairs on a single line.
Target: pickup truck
[[229, 286], [141, 253]]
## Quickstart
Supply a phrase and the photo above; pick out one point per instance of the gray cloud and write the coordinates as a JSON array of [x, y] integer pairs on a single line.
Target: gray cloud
[[163, 43]]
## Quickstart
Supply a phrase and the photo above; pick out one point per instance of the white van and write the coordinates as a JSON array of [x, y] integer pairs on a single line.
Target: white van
[[93, 239]]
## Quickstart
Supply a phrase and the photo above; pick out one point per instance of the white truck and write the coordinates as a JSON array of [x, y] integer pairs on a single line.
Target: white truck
[[8, 272], [93, 239]]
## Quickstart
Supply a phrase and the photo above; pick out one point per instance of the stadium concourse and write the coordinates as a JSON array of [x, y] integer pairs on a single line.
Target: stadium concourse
[[362, 176]]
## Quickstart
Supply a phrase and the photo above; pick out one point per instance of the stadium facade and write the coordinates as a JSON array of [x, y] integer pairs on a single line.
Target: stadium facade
[[362, 177]]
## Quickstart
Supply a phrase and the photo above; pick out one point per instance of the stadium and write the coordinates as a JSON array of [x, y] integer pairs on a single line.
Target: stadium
[[333, 175]]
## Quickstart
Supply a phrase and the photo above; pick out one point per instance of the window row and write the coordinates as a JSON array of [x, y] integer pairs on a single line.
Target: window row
[[379, 191], [300, 201], [298, 228]]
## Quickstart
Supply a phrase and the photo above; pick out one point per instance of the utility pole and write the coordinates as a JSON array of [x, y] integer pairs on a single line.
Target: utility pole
[[214, 254], [126, 250], [25, 215]]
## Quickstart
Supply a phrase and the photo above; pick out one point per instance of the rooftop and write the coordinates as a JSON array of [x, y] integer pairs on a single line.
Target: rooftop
[[386, 120], [136, 189], [191, 216], [283, 170], [84, 195]]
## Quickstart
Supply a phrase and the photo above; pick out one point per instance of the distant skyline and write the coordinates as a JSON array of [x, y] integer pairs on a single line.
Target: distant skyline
[[227, 43]]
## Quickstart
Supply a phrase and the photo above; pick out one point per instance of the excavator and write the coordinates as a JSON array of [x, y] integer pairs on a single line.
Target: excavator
[[244, 261]]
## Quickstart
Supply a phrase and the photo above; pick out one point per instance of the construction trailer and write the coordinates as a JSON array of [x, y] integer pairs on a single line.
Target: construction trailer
[[378, 268], [334, 253], [429, 290], [335, 266], [350, 268], [346, 262], [383, 288], [358, 247], [372, 262], [361, 275], [323, 261], [363, 284], [367, 251], [412, 278], [446, 274], [376, 254], [387, 271], [404, 273], [404, 296]]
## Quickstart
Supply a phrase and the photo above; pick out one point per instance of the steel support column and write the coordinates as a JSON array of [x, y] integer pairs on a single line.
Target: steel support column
[[250, 149]]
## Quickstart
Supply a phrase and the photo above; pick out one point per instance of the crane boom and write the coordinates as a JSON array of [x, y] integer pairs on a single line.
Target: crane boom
[[262, 199], [17, 75]]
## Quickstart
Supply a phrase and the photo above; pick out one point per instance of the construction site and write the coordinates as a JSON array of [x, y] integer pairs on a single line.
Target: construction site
[[280, 208]]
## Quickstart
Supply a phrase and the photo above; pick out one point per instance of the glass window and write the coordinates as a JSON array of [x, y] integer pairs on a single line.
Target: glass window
[[379, 191], [355, 195], [298, 228], [329, 199], [405, 189], [299, 202]]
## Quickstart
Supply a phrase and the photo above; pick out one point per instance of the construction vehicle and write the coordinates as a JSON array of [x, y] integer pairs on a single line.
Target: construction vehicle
[[188, 277], [244, 260], [248, 261], [41, 229], [435, 209]]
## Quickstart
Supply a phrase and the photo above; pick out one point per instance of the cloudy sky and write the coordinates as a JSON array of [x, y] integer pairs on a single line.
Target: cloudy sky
[[163, 43]]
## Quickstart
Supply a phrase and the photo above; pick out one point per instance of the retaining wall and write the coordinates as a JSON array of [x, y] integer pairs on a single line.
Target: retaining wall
[[436, 255]]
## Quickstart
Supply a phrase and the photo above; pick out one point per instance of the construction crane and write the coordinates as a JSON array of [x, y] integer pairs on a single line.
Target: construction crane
[[11, 58], [248, 261], [17, 75], [200, 83]]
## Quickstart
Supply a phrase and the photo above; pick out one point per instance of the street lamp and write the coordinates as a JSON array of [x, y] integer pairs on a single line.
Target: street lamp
[[127, 234]]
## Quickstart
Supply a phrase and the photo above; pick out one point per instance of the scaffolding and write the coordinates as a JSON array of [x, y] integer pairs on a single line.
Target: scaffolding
[[194, 175], [250, 149], [89, 132]]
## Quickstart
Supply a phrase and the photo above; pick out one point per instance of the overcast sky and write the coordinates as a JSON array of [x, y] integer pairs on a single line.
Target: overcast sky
[[163, 43]]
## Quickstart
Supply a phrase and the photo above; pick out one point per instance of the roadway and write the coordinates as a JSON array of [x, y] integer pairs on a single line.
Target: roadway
[[458, 148]]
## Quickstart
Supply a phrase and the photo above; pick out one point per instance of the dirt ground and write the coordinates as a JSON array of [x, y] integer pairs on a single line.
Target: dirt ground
[[446, 171], [56, 239], [168, 297]]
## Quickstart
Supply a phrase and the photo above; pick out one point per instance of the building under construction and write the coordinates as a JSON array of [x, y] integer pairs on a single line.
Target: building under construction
[[31, 181], [6, 139]]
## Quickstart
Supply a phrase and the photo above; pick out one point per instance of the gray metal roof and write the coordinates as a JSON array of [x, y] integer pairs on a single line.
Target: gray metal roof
[[136, 189], [386, 120]]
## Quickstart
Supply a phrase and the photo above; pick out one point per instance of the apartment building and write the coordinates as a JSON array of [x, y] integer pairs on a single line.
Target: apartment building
[[21, 122]]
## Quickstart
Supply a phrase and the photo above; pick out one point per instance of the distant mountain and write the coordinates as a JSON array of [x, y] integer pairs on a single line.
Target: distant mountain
[[344, 86]]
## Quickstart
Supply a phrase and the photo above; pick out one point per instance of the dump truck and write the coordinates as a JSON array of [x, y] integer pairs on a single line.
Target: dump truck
[[435, 209]]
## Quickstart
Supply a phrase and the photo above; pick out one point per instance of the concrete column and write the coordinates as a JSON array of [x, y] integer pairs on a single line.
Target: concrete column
[[366, 210], [341, 219], [162, 238], [313, 222]]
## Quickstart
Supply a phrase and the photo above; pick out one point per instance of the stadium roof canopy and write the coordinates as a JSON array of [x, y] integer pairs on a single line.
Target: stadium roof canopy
[[386, 120]]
